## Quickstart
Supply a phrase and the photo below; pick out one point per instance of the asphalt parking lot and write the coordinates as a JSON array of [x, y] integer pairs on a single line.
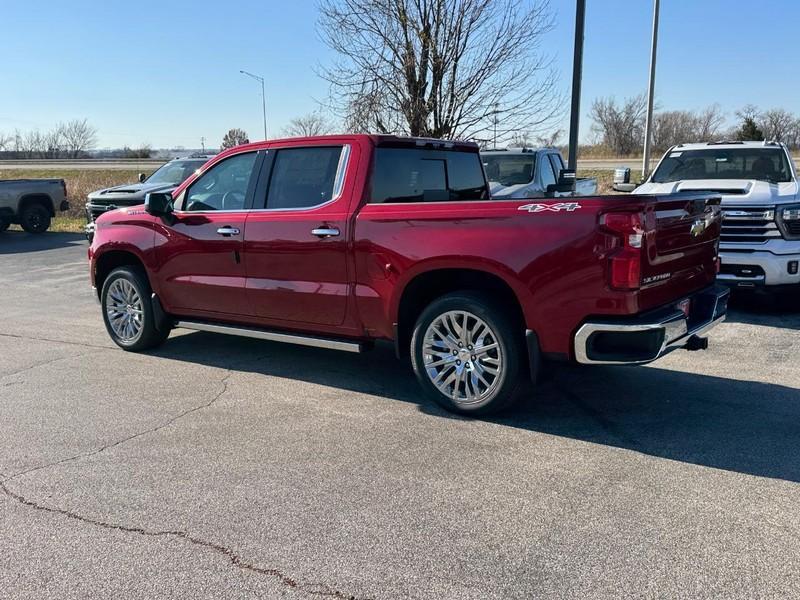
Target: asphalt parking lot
[[231, 468]]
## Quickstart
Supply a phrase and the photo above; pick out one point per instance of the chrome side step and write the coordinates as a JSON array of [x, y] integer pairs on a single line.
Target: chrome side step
[[274, 336]]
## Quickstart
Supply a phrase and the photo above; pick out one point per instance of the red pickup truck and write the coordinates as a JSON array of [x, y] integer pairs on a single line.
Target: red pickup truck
[[339, 241]]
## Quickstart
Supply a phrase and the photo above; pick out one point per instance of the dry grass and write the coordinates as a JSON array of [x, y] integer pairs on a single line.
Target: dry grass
[[605, 179]]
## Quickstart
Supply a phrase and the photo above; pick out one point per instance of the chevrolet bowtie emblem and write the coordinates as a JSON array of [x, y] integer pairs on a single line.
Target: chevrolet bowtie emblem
[[698, 227]]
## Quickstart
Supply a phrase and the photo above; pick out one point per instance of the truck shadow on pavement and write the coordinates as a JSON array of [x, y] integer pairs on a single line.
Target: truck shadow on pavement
[[773, 309], [16, 242], [742, 426]]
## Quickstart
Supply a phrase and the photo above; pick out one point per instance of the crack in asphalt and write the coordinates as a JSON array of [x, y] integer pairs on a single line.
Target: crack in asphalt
[[39, 339], [138, 434], [43, 364], [312, 589]]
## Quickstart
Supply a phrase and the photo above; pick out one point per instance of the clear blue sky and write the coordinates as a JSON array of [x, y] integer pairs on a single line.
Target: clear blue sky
[[167, 72]]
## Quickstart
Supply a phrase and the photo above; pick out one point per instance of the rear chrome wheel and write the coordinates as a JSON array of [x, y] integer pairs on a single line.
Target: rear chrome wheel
[[467, 353], [462, 357]]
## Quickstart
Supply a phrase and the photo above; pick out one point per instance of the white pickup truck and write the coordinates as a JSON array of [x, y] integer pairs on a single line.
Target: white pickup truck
[[760, 241], [532, 173]]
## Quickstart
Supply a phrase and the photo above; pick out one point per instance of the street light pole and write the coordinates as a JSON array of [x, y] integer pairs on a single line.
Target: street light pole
[[577, 68], [263, 98], [650, 94]]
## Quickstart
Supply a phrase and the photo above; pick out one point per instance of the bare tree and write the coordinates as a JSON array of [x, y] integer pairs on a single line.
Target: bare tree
[[33, 145], [709, 123], [79, 136], [5, 141], [777, 124], [681, 126], [54, 142], [620, 127], [749, 111], [440, 68], [551, 139], [793, 135], [234, 137], [308, 125], [672, 127], [522, 139]]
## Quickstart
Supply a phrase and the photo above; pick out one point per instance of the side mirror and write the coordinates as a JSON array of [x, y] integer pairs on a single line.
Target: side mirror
[[158, 204], [566, 182], [142, 177], [622, 180]]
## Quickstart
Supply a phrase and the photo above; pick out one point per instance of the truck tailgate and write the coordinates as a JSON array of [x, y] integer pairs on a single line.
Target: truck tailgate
[[681, 245]]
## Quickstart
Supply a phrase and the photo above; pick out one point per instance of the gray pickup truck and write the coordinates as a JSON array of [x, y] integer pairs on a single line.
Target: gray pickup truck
[[532, 173], [31, 203]]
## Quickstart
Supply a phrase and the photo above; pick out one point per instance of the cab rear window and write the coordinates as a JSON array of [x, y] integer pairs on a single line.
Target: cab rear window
[[421, 175]]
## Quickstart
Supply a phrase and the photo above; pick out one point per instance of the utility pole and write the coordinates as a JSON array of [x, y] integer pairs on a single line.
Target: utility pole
[[650, 94], [263, 98], [203, 143], [577, 69]]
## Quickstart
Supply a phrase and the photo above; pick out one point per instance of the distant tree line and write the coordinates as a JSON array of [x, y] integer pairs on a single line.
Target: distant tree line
[[619, 126], [72, 139]]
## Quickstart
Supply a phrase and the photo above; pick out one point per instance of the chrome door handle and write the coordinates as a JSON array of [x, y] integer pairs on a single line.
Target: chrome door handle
[[228, 230], [324, 232]]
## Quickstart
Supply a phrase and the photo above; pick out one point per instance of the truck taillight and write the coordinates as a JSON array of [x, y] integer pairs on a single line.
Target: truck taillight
[[625, 264]]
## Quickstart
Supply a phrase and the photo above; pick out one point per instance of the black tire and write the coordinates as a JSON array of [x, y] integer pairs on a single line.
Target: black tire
[[148, 336], [500, 392], [4, 224], [34, 218]]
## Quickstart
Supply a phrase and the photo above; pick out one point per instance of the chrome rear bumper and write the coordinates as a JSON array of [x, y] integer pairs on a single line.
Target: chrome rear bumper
[[646, 337]]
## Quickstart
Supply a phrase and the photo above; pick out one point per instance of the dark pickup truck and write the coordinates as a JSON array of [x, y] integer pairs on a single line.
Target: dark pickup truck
[[343, 240]]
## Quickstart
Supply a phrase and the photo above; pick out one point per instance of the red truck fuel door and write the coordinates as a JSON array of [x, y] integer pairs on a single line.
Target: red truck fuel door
[[296, 244]]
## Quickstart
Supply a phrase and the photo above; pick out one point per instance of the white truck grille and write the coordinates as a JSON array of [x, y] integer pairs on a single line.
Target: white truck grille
[[748, 225]]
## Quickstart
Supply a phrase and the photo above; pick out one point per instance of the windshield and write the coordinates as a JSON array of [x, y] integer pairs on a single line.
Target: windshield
[[175, 172], [510, 169], [765, 164]]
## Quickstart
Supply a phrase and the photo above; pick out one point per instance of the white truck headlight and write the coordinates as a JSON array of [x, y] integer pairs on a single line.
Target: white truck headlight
[[789, 221], [791, 213]]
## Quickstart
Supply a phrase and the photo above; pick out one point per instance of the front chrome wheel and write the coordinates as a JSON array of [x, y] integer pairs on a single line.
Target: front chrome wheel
[[125, 311], [462, 357]]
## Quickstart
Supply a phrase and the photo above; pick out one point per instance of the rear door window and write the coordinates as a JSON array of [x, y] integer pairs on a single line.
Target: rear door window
[[419, 175], [303, 177]]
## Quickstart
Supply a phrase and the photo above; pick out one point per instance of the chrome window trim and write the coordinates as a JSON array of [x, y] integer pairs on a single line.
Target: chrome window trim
[[338, 187], [338, 180]]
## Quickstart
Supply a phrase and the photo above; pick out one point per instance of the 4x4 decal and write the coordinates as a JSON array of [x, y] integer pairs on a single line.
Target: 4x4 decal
[[535, 208]]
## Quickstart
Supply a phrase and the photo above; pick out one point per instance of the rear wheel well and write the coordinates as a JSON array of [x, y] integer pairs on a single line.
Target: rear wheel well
[[425, 288], [109, 261], [42, 199]]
